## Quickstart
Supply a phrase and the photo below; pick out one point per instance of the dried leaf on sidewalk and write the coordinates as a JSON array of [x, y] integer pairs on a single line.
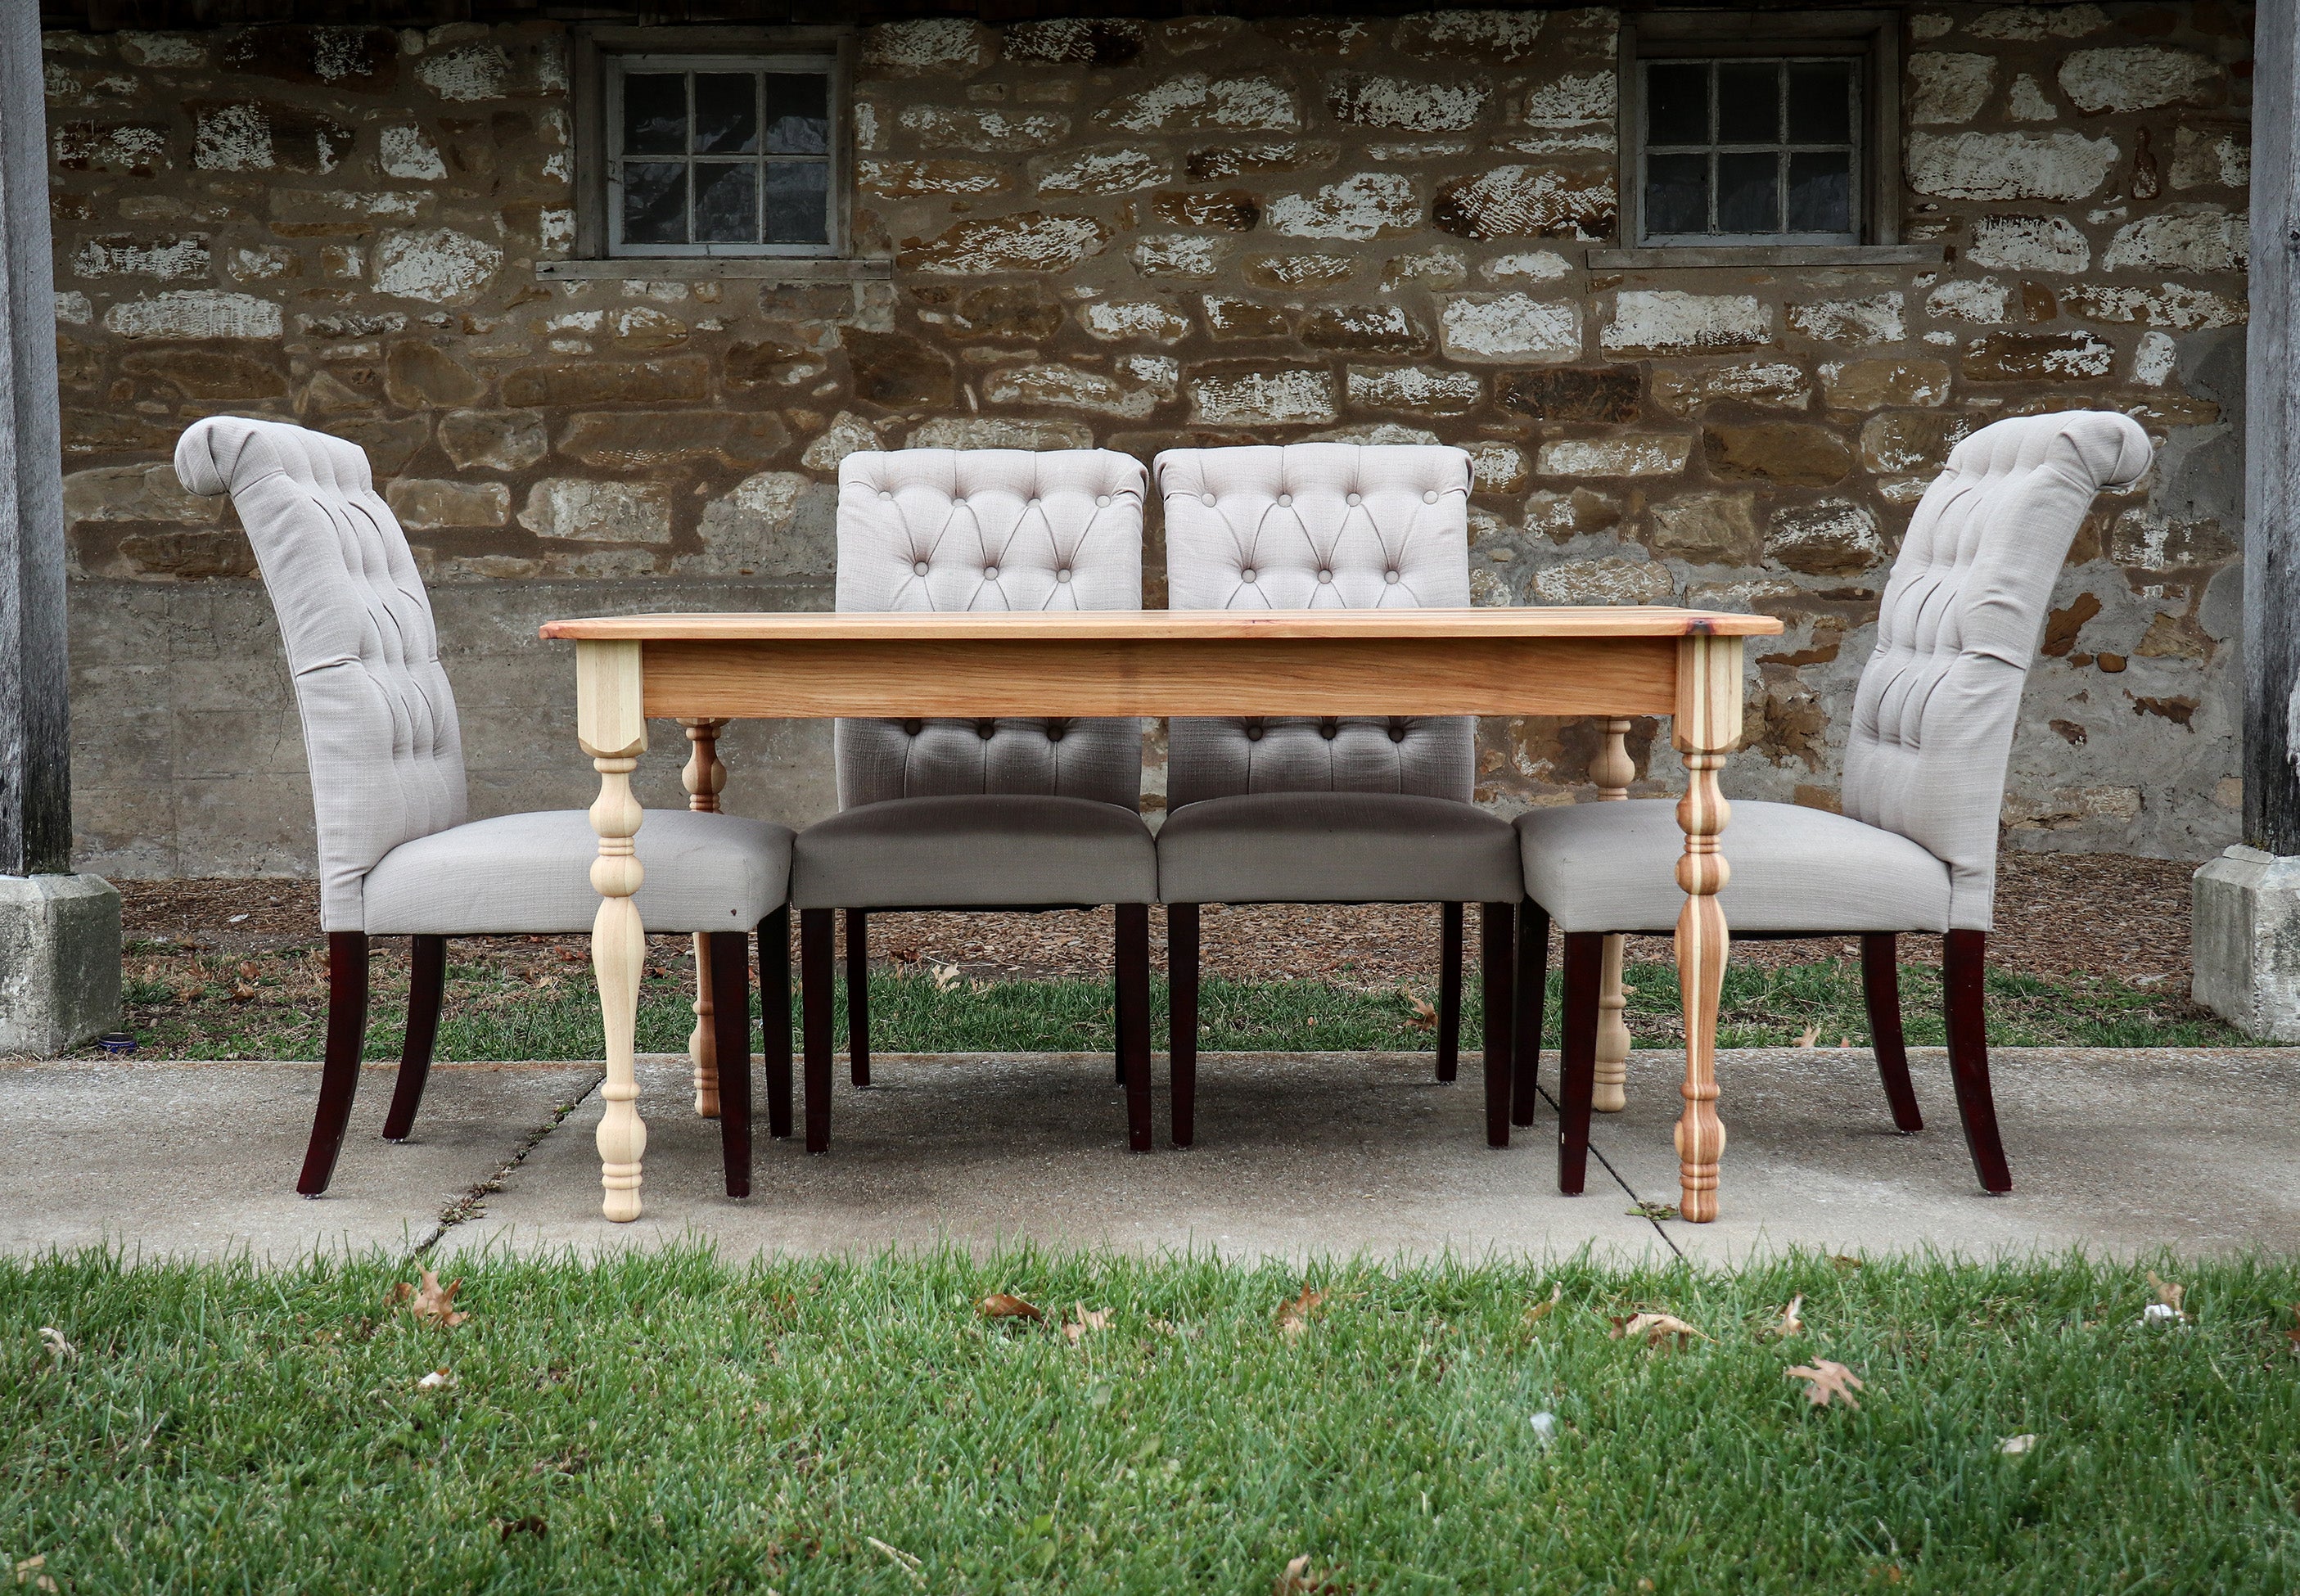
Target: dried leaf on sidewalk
[[430, 1303], [1653, 1210], [999, 1305], [1086, 1319], [59, 1349], [1294, 1315], [1827, 1380], [1656, 1328]]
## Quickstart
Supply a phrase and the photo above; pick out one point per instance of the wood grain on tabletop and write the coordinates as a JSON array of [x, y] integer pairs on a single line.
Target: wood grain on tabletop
[[1625, 620]]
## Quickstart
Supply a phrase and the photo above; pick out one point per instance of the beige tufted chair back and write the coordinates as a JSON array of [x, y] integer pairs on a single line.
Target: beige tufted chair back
[[379, 726], [990, 530], [1933, 719], [1318, 527]]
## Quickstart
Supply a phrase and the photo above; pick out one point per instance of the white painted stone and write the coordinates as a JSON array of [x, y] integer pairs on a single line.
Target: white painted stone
[[1876, 319], [1497, 468], [1948, 87], [990, 432], [2029, 244], [847, 434], [1116, 170], [469, 73], [1440, 268], [408, 151], [1434, 391], [232, 138], [1668, 319], [2039, 21], [1376, 100], [759, 524], [1116, 319], [2138, 77], [1533, 266], [1418, 149], [72, 308], [1834, 526], [1594, 139], [441, 266], [167, 51], [2209, 158], [945, 127], [1067, 387], [555, 231], [1194, 99], [591, 511], [2170, 304], [1611, 580], [2182, 238], [1571, 101], [1510, 327], [1624, 454], [1376, 433], [1983, 300], [1509, 36], [160, 257], [2153, 362], [194, 314], [1928, 26], [2028, 103], [133, 149], [1274, 398], [1777, 384], [1370, 205], [928, 45], [2009, 166], [1194, 257]]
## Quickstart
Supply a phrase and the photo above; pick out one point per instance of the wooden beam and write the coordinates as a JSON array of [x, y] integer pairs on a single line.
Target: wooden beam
[[2271, 497]]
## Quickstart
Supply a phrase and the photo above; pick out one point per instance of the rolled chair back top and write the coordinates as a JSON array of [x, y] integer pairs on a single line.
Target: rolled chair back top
[[1318, 527], [1962, 613], [379, 729], [990, 530]]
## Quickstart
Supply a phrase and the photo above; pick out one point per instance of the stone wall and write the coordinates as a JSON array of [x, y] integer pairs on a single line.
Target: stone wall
[[1137, 235]]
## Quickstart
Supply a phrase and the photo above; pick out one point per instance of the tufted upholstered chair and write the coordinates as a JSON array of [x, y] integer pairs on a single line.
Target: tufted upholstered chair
[[1344, 810], [1915, 848], [398, 857], [980, 814]]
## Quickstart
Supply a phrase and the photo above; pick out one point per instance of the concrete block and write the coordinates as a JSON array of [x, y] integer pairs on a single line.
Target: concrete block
[[2245, 924], [59, 963]]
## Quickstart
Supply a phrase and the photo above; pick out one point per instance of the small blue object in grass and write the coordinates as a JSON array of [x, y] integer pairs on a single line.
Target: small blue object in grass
[[117, 1042]]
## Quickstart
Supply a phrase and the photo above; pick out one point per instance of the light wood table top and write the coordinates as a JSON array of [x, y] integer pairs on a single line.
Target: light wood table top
[[1626, 620]]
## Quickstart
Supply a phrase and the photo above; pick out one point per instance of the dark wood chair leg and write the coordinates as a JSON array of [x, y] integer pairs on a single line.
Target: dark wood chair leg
[[1880, 986], [1531, 997], [1576, 1056], [1134, 1021], [1182, 1019], [426, 990], [1449, 992], [858, 997], [341, 1064], [730, 954], [1497, 958], [775, 1016], [817, 939], [1964, 957]]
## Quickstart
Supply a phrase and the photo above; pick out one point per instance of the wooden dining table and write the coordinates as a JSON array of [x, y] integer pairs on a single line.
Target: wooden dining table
[[1608, 662]]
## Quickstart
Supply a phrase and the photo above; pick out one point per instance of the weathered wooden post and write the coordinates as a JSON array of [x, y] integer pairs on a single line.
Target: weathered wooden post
[[59, 932], [2246, 913]]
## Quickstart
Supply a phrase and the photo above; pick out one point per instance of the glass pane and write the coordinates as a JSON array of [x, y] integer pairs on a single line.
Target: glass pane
[[1747, 199], [1748, 102], [798, 113], [1820, 103], [1676, 193], [726, 202], [654, 114], [655, 201], [726, 113], [1821, 191], [798, 202], [1676, 103]]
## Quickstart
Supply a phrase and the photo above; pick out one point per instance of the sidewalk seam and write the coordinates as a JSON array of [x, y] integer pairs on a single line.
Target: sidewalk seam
[[468, 1206]]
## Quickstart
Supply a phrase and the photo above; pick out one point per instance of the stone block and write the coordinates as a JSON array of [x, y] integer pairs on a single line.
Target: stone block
[[1875, 384], [2245, 940], [493, 440], [649, 440], [1376, 205], [1787, 452], [1624, 454], [1030, 241], [1591, 395], [1716, 529], [2062, 166], [1669, 320], [59, 963], [424, 505], [1425, 390], [2027, 244], [1529, 202], [1299, 271], [2036, 357], [1510, 327], [1192, 100], [1374, 100], [1688, 390], [1294, 397], [674, 379]]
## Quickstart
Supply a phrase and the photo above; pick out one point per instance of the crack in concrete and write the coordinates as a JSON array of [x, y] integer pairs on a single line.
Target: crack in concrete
[[470, 1205], [1627, 1191]]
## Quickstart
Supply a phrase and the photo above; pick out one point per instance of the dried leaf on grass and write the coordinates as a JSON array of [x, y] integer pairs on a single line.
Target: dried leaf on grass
[[1655, 1327], [430, 1303], [1298, 1581], [1422, 1016], [901, 1559], [438, 1379], [1086, 1321], [946, 976], [1294, 1315], [29, 1572], [1826, 1380], [2166, 1308], [59, 1349], [1789, 1323], [1842, 1263], [2012, 1446], [999, 1305], [1542, 1310], [1807, 1038], [2291, 1336]]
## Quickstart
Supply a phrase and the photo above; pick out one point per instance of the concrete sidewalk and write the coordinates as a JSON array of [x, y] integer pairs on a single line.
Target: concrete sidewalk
[[2115, 1151]]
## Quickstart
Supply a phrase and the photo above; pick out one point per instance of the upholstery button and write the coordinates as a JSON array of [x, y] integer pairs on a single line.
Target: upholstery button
[[1205, 498], [1029, 503], [885, 495], [1325, 576], [990, 573], [920, 566], [1390, 576], [1253, 734], [914, 727], [1055, 728], [1398, 734], [1063, 575], [1102, 502], [1246, 574], [1286, 500], [1429, 498], [1329, 730], [1354, 499], [986, 729]]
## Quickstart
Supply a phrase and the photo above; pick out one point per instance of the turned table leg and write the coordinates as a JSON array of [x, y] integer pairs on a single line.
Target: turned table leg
[[610, 725], [705, 778], [1706, 723], [1613, 770]]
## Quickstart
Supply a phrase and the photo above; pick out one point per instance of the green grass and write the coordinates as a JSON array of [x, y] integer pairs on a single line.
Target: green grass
[[665, 1422], [493, 1013]]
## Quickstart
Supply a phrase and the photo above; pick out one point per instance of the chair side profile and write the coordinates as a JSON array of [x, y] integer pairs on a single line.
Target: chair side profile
[[995, 813], [397, 855], [1930, 736], [1342, 809]]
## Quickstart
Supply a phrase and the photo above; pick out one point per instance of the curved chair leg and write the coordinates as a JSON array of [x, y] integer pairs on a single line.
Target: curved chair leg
[[816, 937], [340, 1068], [1576, 1056], [426, 990], [1880, 987], [858, 997], [1182, 1018], [1133, 1017], [1449, 993], [775, 1016], [730, 1024], [1496, 935], [1967, 1056], [1530, 997]]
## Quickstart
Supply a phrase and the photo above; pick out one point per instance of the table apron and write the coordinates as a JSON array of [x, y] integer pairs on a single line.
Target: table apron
[[1253, 675]]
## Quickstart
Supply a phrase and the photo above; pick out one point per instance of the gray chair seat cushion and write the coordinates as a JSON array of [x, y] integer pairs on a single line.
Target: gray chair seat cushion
[[1613, 867], [532, 874], [976, 851], [1335, 848]]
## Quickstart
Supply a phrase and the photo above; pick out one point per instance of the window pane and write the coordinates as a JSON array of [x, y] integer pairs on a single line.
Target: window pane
[[1821, 104], [726, 113], [798, 113], [1676, 193], [1821, 191], [1748, 102], [726, 202], [654, 114], [798, 202], [1676, 103], [1747, 199], [655, 201]]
